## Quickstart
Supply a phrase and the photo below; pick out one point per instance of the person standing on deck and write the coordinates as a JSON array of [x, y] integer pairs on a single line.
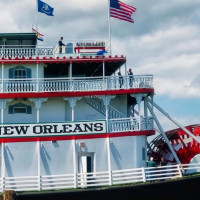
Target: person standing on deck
[[130, 74], [60, 44]]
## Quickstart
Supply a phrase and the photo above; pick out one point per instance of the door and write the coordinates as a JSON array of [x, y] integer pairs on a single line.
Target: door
[[85, 165]]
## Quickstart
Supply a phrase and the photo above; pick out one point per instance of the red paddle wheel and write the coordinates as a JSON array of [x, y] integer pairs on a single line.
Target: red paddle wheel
[[183, 144]]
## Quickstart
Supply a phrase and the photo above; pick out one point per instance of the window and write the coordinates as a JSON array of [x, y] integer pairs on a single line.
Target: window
[[19, 72], [19, 108]]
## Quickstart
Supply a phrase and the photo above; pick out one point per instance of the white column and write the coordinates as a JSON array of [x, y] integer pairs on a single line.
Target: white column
[[145, 107], [37, 76], [72, 102], [103, 69], [138, 98], [2, 166], [38, 103], [70, 70], [3, 103], [2, 77], [38, 165], [126, 76], [125, 66], [109, 160], [75, 163], [106, 101]]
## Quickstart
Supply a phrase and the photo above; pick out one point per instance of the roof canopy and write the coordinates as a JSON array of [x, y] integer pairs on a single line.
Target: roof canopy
[[18, 39]]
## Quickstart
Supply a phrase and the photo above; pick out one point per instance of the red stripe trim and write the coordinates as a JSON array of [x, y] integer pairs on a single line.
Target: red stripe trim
[[78, 137], [62, 60], [75, 94]]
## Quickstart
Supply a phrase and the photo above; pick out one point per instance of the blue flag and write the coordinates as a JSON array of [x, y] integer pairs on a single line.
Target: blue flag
[[45, 8]]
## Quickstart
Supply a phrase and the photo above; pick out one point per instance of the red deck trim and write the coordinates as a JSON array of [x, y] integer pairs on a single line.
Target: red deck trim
[[50, 60], [75, 94], [78, 137]]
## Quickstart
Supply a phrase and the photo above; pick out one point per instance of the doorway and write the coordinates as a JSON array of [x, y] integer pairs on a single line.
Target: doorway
[[85, 165]]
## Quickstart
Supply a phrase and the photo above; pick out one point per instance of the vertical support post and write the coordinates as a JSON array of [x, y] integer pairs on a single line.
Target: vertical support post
[[72, 102], [38, 103], [38, 166], [2, 77], [37, 76], [70, 70], [109, 160], [73, 113], [145, 107], [103, 69], [126, 77], [143, 174], [139, 100], [106, 101], [2, 115], [107, 118], [2, 167], [109, 23], [75, 164], [38, 115], [2, 107], [71, 84]]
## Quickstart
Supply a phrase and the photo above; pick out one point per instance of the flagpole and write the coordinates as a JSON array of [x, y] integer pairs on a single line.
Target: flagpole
[[36, 16], [109, 24]]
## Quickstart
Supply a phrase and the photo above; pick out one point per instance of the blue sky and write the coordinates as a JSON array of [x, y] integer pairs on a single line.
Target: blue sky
[[163, 41]]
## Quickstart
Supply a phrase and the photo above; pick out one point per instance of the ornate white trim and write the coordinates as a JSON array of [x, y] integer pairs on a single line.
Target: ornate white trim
[[38, 101], [72, 100], [106, 99], [138, 97]]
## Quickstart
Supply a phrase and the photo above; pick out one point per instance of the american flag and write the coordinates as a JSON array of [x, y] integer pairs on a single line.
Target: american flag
[[121, 10]]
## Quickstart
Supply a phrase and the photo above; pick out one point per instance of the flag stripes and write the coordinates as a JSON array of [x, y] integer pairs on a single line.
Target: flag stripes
[[121, 10]]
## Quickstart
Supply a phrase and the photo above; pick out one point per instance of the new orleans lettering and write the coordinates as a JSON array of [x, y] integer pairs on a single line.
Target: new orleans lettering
[[52, 129]]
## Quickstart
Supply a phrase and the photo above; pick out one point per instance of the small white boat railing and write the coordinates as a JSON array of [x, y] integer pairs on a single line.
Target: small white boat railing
[[26, 51], [131, 124], [80, 47], [96, 179], [74, 84]]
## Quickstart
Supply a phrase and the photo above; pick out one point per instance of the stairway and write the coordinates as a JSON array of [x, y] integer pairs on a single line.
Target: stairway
[[100, 107]]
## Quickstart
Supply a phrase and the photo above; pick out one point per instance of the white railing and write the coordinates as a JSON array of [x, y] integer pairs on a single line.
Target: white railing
[[96, 179], [81, 47], [131, 124], [99, 106], [26, 51], [73, 84], [84, 47]]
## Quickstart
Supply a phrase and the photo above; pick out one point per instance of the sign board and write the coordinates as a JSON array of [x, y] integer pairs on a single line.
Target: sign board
[[52, 129]]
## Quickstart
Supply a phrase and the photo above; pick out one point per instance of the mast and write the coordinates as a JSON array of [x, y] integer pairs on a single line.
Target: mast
[[109, 26]]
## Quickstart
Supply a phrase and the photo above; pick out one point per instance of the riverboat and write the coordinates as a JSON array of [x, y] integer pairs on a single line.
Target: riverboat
[[73, 119]]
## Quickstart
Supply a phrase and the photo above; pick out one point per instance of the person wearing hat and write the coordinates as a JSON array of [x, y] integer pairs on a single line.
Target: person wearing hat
[[130, 74]]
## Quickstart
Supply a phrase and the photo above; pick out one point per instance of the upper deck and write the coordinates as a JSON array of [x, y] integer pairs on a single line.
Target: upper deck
[[84, 67]]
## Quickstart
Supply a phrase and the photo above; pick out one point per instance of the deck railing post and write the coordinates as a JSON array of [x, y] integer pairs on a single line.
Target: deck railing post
[[180, 169], [144, 174]]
